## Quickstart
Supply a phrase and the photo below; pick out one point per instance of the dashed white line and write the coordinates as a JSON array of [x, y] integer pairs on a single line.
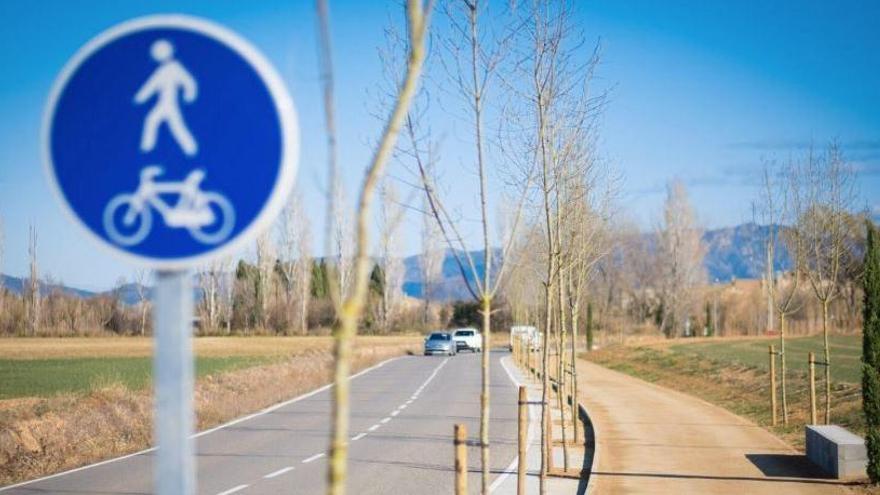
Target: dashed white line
[[279, 472], [233, 490], [384, 420], [358, 437], [534, 412], [312, 458], [402, 407], [374, 427], [395, 412]]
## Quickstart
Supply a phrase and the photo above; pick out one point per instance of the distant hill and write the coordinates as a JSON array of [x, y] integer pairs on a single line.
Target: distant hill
[[16, 285], [452, 287], [732, 253], [127, 293], [738, 252]]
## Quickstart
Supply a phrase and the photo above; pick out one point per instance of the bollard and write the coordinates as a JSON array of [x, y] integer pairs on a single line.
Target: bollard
[[773, 384], [460, 459], [813, 414], [523, 426]]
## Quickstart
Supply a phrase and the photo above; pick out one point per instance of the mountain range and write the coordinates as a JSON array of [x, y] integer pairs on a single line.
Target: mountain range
[[731, 253]]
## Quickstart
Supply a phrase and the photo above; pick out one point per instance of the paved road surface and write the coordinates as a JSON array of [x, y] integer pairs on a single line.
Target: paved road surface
[[654, 440], [402, 421]]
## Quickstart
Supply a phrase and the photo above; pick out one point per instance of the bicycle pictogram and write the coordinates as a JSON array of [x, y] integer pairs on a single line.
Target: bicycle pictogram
[[208, 216]]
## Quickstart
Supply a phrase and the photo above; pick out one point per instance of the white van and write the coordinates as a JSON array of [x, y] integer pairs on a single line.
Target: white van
[[529, 333]]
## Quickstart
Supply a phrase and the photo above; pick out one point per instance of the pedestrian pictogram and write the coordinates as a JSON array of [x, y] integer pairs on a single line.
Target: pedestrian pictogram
[[168, 83]]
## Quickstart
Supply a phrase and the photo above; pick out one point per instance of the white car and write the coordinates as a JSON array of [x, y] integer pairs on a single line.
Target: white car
[[468, 338]]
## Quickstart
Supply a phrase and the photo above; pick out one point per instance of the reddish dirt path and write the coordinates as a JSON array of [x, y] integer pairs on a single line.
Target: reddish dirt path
[[654, 440]]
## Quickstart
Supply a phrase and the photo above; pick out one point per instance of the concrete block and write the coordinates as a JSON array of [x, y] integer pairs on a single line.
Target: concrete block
[[837, 451]]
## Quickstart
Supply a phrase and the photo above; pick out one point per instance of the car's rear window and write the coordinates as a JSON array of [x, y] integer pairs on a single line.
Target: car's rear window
[[438, 336], [464, 333]]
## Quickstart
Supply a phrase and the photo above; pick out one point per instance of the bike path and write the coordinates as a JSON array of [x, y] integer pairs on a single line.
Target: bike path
[[653, 440]]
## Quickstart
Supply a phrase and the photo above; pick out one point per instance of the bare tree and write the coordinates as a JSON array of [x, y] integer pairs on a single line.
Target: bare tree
[[294, 244], [140, 280], [343, 242], [471, 69], [227, 293], [826, 190], [417, 146], [265, 269], [778, 203], [350, 307], [211, 278], [681, 256], [33, 287], [431, 260], [390, 216], [563, 119]]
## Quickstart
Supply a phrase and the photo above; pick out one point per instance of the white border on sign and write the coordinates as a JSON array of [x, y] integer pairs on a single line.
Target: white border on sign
[[283, 106]]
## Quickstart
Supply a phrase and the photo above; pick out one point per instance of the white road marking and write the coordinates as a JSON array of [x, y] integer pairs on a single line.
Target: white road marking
[[312, 458], [279, 472], [402, 407], [212, 430], [373, 428], [534, 412], [385, 420], [395, 412], [233, 490], [409, 401], [358, 437]]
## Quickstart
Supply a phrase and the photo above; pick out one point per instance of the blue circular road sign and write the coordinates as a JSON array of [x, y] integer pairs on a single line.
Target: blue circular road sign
[[171, 140]]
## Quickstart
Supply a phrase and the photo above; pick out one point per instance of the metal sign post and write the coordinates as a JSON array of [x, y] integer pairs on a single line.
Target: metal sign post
[[173, 372], [171, 141]]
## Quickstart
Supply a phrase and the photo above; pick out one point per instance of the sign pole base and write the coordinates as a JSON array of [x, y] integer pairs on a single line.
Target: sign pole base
[[174, 468]]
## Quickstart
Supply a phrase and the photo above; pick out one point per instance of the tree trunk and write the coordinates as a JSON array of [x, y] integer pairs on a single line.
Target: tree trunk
[[563, 368], [545, 385], [484, 393], [574, 381], [143, 317], [343, 333], [304, 315], [827, 362], [782, 367], [589, 331]]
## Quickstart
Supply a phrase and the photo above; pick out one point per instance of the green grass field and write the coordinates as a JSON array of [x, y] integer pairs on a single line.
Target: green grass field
[[846, 354], [44, 367], [48, 377]]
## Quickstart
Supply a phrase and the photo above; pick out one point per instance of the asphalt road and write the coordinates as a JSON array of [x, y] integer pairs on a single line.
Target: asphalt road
[[402, 422]]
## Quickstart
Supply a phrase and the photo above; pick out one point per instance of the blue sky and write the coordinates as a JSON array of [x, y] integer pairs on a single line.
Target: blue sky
[[702, 91]]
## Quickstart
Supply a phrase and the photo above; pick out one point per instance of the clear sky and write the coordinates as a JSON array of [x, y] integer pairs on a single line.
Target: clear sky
[[702, 91]]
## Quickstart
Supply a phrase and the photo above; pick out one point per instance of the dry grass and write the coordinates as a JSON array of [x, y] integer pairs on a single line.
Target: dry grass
[[42, 436]]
